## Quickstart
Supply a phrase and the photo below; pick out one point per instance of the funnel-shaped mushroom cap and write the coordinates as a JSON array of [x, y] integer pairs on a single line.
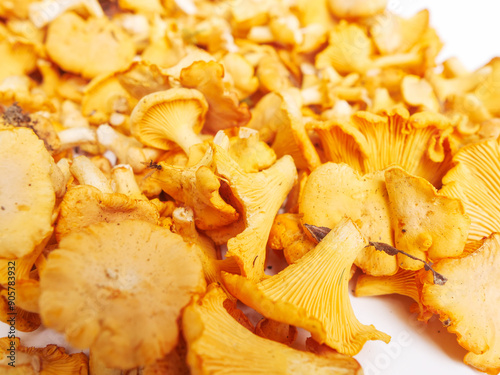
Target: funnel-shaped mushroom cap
[[85, 205], [224, 111], [102, 281], [313, 292], [475, 181], [426, 224], [469, 302], [107, 46], [334, 191], [418, 143], [51, 360], [27, 193], [239, 351], [261, 195], [342, 142], [166, 118]]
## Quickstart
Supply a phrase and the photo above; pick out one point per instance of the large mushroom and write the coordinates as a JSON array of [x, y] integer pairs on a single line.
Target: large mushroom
[[113, 275], [209, 352], [313, 292]]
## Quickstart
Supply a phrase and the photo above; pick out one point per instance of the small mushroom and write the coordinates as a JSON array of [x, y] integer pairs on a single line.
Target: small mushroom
[[168, 118]]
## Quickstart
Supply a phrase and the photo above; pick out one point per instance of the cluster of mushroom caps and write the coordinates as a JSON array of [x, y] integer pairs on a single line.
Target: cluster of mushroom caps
[[139, 138]]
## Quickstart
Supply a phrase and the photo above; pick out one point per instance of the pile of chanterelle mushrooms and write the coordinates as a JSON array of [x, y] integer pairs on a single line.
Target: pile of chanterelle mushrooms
[[139, 138]]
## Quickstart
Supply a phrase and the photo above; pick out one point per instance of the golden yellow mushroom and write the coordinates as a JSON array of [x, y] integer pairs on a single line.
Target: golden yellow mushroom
[[107, 46], [334, 191], [426, 224], [132, 270], [224, 110], [468, 302], [168, 118], [475, 181], [313, 292], [210, 352], [27, 192], [260, 195]]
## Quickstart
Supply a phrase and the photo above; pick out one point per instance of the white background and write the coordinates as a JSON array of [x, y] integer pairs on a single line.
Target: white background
[[471, 31]]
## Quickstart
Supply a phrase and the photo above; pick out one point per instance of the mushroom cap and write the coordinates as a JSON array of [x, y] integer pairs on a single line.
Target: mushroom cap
[[103, 41], [112, 275], [260, 195], [426, 224], [333, 191], [27, 192], [469, 302], [224, 111], [313, 292], [166, 118], [85, 205], [475, 181], [238, 349]]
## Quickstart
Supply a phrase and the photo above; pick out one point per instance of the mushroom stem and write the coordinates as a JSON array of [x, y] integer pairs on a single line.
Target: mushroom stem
[[127, 149], [125, 183], [88, 174]]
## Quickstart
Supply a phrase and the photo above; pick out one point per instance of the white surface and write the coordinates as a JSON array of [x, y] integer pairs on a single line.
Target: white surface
[[415, 348]]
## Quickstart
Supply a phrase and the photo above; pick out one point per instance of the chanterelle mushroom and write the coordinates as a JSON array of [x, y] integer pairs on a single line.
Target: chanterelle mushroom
[[51, 360], [426, 224], [27, 192], [313, 292], [107, 47], [210, 352], [113, 275], [333, 191], [170, 117], [469, 302], [261, 195], [475, 181]]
